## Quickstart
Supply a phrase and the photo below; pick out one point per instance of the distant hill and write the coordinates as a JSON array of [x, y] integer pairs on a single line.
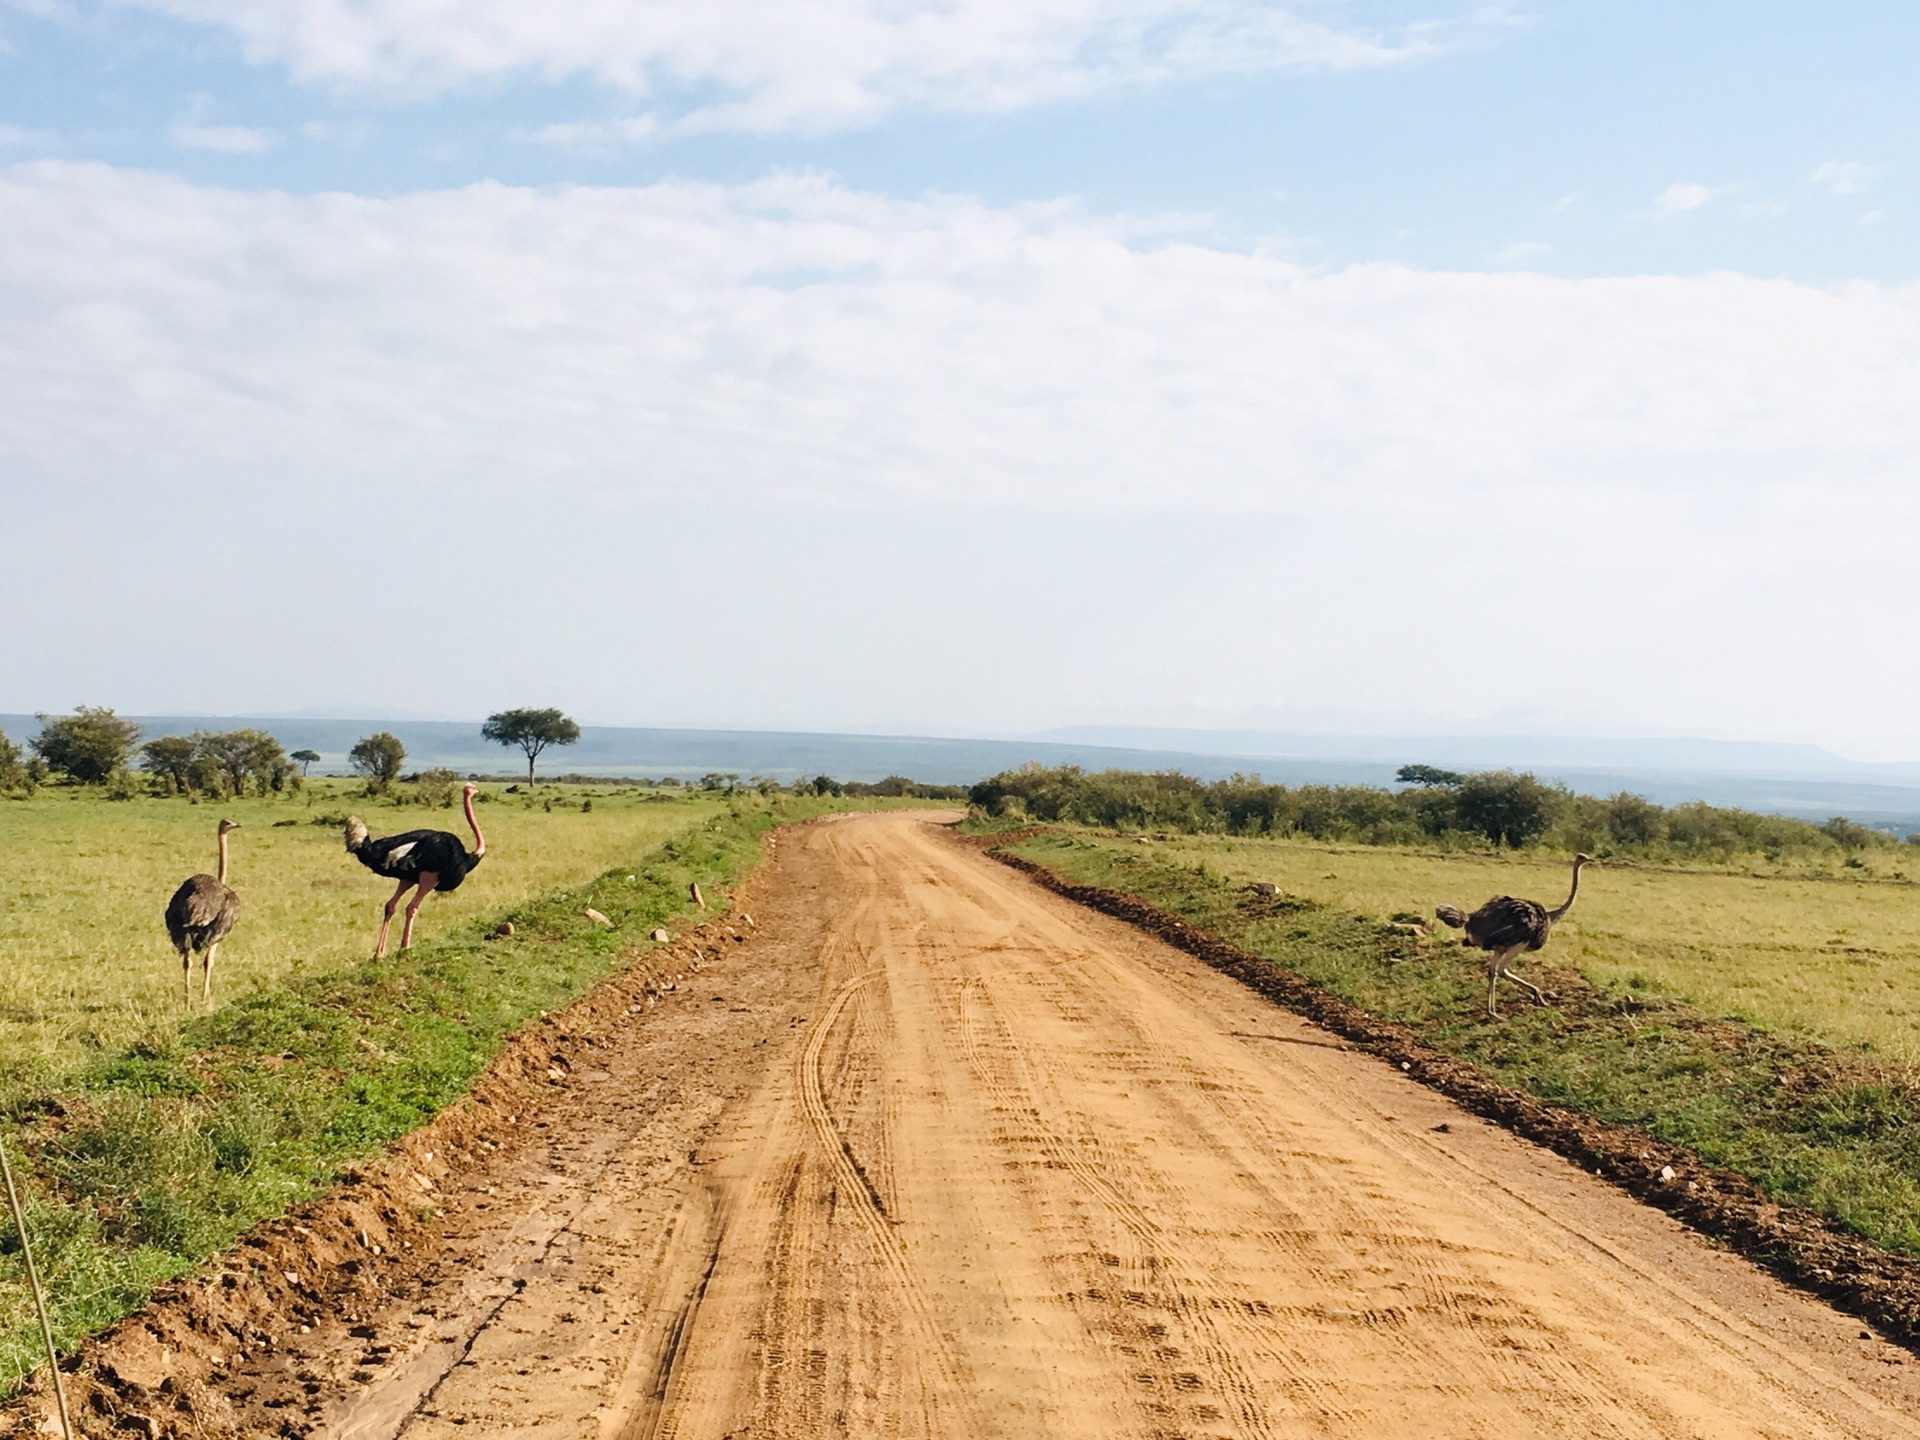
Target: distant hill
[[1799, 780]]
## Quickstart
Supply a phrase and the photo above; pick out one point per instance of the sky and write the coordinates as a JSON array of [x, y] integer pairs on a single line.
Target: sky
[[968, 367]]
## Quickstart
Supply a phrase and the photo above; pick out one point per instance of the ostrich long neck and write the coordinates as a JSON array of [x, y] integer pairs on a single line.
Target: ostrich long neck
[[222, 876], [1572, 894], [479, 840]]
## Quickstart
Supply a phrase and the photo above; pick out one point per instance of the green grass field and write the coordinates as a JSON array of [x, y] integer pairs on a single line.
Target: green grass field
[[86, 957], [1834, 958]]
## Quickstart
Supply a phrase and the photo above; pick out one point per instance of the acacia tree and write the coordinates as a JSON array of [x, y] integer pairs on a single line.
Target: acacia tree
[[532, 730], [378, 757], [1509, 809], [1428, 775], [88, 745], [305, 758], [170, 758], [241, 755]]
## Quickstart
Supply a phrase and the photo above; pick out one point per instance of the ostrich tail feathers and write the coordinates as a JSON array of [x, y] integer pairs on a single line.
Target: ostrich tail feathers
[[1448, 915], [356, 834]]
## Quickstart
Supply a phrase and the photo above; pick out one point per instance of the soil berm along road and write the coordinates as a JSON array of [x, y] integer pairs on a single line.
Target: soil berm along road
[[936, 1152]]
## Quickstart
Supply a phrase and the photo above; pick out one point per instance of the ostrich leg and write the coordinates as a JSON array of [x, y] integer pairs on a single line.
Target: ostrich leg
[[386, 919], [428, 879], [1539, 995], [206, 972], [186, 975], [1496, 967]]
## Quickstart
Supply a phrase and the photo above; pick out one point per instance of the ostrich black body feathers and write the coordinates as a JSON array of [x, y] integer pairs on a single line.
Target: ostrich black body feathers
[[1502, 923], [416, 853]]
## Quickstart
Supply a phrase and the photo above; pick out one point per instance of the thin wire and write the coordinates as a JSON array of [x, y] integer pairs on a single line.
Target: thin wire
[[39, 1296]]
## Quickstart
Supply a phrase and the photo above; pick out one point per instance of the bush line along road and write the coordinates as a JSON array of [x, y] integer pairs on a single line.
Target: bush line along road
[[932, 1151]]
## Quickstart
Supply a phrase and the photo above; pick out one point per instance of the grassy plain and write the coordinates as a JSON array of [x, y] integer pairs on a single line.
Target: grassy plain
[[1833, 955], [85, 955], [151, 1140], [1794, 1096]]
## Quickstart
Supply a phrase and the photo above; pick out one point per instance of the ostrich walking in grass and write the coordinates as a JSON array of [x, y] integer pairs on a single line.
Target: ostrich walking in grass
[[1505, 927], [421, 860], [199, 916]]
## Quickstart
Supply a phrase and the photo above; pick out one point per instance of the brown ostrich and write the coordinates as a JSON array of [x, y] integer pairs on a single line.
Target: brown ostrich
[[421, 860], [1505, 927], [199, 916]]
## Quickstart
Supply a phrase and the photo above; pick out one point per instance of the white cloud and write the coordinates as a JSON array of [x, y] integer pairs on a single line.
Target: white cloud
[[1568, 201], [223, 139], [1521, 250], [1873, 217], [464, 397], [1845, 177], [794, 340], [1684, 196], [15, 137], [772, 64], [193, 131], [595, 134]]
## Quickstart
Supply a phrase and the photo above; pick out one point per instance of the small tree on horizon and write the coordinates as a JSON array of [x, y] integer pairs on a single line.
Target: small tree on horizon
[[304, 758], [12, 772], [88, 745], [170, 758], [1428, 775], [532, 730], [379, 758]]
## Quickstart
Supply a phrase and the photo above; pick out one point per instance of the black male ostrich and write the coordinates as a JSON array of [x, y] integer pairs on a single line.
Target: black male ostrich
[[422, 860], [199, 916], [1505, 927]]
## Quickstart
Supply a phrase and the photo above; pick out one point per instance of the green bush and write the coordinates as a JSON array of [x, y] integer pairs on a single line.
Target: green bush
[[1496, 808], [88, 745]]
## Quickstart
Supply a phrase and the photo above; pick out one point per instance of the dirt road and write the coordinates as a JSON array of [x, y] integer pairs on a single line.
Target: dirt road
[[969, 1161]]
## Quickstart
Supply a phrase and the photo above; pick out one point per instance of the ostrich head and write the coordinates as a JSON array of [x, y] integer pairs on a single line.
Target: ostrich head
[[226, 825]]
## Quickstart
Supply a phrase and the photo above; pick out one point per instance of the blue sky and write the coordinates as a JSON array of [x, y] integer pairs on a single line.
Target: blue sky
[[1027, 359], [1542, 135]]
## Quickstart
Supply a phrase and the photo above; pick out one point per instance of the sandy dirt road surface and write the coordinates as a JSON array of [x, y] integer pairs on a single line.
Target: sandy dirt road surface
[[946, 1155]]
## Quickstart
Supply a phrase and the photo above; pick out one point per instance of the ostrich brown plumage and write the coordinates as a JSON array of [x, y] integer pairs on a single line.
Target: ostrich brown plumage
[[421, 860], [1505, 927], [199, 916]]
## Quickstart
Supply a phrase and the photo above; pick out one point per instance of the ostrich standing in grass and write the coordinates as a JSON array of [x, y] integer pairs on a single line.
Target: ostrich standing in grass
[[421, 860], [199, 916], [1505, 927]]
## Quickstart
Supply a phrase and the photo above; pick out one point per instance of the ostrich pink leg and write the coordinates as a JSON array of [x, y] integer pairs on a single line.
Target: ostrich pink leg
[[206, 978], [427, 881], [386, 919]]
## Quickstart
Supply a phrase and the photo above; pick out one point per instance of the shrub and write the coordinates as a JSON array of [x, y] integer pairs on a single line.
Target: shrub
[[12, 773], [1498, 808], [88, 745], [436, 788], [378, 757], [243, 755], [170, 759], [1847, 835]]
